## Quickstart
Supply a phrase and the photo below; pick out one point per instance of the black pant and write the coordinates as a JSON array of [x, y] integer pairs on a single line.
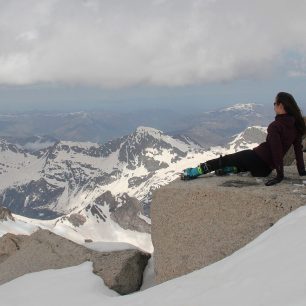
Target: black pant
[[246, 160]]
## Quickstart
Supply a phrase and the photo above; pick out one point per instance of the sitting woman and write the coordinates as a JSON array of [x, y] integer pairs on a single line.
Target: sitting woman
[[287, 129]]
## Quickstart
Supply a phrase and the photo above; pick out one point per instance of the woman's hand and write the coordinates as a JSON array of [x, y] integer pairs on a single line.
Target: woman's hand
[[302, 173], [274, 181]]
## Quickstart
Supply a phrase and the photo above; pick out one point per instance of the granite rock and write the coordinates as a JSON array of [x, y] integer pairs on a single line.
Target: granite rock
[[196, 223], [121, 271]]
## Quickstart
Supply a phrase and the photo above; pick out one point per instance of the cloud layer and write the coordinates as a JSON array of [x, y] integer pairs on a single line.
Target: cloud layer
[[158, 42]]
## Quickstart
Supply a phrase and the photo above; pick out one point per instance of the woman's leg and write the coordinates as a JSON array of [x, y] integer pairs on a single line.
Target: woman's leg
[[246, 160]]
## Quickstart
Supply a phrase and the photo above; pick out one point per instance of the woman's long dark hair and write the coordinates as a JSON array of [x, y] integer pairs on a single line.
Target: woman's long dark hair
[[292, 109]]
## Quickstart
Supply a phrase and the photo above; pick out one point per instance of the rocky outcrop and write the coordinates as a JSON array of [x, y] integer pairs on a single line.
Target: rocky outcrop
[[76, 219], [124, 210], [127, 216], [121, 271], [5, 214], [9, 245], [196, 223]]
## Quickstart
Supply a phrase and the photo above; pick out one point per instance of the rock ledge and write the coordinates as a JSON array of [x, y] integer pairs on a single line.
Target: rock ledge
[[199, 222]]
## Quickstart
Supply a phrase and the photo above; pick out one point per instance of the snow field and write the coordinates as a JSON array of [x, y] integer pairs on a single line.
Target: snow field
[[270, 271]]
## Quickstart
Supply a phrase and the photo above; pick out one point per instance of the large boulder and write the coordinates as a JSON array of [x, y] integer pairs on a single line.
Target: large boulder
[[196, 223], [121, 271]]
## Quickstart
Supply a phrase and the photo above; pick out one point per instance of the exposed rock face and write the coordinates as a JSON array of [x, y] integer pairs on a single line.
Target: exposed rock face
[[124, 210], [5, 214], [39, 193], [127, 216], [121, 270], [199, 222], [76, 219], [9, 245]]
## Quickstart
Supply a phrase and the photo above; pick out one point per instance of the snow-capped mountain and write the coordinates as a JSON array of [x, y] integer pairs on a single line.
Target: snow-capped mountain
[[245, 108], [248, 139], [110, 181]]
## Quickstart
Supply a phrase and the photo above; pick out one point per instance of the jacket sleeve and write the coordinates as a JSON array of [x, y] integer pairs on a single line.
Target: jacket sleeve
[[275, 145], [298, 150]]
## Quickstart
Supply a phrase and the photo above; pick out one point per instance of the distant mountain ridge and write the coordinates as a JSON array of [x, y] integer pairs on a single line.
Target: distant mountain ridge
[[215, 128], [206, 128], [94, 126]]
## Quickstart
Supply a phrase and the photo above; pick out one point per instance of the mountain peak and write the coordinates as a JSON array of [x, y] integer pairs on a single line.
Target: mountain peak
[[148, 130], [240, 107], [249, 138]]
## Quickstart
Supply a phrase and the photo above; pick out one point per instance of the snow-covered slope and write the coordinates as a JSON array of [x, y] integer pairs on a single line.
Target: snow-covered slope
[[268, 271], [17, 227], [92, 230], [17, 165]]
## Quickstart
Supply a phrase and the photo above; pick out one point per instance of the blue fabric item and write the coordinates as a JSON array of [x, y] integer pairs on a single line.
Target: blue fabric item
[[192, 172]]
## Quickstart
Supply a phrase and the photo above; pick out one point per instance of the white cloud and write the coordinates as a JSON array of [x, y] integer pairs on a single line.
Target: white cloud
[[159, 42]]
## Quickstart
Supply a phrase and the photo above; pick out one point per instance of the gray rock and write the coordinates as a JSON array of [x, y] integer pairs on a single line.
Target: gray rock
[[121, 271], [127, 216], [10, 243], [76, 219], [124, 210], [196, 223], [5, 214]]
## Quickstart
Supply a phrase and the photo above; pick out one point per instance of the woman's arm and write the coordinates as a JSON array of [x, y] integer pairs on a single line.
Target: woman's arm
[[298, 150]]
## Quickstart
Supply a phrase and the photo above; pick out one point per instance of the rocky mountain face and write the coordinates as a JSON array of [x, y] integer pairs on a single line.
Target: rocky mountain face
[[77, 182]]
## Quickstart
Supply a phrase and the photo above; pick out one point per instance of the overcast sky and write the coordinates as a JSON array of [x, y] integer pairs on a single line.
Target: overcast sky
[[69, 54]]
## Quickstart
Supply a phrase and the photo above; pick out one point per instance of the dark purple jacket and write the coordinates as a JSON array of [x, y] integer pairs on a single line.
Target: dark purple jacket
[[282, 133]]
